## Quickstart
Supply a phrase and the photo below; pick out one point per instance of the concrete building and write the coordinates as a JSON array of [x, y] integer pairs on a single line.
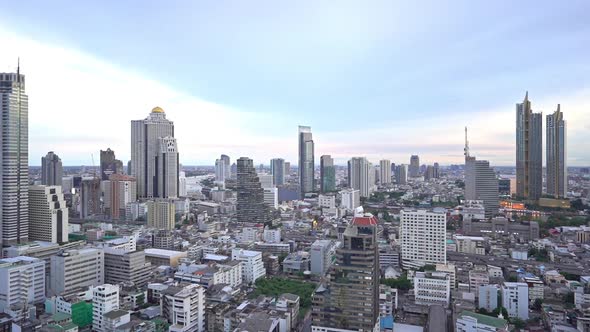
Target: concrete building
[[432, 288], [385, 171], [164, 257], [48, 214], [536, 288], [423, 238], [556, 154], [271, 235], [529, 151], [161, 214], [468, 321], [119, 190], [450, 270], [401, 174], [500, 226], [515, 298], [327, 174], [470, 244], [167, 168], [327, 201], [73, 270], [145, 147], [360, 176], [488, 297], [250, 194], [109, 165], [90, 193], [478, 278], [277, 169], [51, 170], [481, 182], [126, 267], [321, 256], [252, 265], [414, 168], [350, 199], [271, 197], [22, 280], [14, 159], [105, 298], [306, 161], [221, 169], [184, 308], [182, 184]]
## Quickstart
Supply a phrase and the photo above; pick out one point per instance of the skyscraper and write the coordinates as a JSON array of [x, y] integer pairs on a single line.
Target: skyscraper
[[350, 299], [145, 147], [250, 194], [14, 159], [359, 175], [306, 161], [385, 171], [89, 197], [327, 174], [167, 168], [220, 170], [423, 238], [401, 174], [414, 166], [529, 151], [109, 164], [226, 160], [51, 170], [119, 190], [481, 182], [48, 214], [277, 169], [161, 214], [556, 154]]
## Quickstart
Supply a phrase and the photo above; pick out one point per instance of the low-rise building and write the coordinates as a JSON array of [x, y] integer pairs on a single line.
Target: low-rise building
[[468, 321], [432, 288]]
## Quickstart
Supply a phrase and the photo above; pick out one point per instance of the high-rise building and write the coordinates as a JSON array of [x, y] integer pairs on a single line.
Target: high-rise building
[[306, 161], [423, 238], [145, 147], [529, 151], [350, 299], [184, 308], [90, 197], [327, 174], [556, 154], [14, 159], [250, 194], [109, 165], [515, 298], [130, 267], [161, 214], [74, 270], [360, 173], [105, 299], [414, 166], [277, 169], [22, 281], [481, 182], [401, 174], [287, 169], [220, 170], [350, 199], [167, 168], [182, 184], [48, 214], [385, 171], [321, 256], [271, 197], [227, 170], [51, 170], [119, 190]]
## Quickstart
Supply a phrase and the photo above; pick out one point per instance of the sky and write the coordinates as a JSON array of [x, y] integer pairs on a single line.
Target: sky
[[381, 79]]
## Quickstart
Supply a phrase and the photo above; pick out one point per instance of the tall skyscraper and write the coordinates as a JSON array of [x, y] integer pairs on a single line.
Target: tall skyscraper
[[306, 161], [556, 154], [119, 190], [250, 194], [89, 197], [327, 174], [360, 174], [529, 151], [220, 170], [109, 164], [51, 170], [287, 169], [226, 160], [277, 169], [414, 166], [48, 214], [14, 159], [401, 174], [423, 238], [350, 299], [481, 182], [385, 171], [145, 147], [167, 168]]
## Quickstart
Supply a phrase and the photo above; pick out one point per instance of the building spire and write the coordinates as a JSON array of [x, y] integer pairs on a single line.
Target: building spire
[[558, 108], [466, 149], [18, 70], [526, 96]]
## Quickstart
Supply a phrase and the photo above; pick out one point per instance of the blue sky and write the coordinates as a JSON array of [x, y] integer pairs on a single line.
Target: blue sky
[[382, 79]]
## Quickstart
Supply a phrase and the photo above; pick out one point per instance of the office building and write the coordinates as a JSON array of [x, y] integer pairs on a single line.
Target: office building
[[529, 151], [145, 147], [105, 299], [423, 238], [321, 256], [22, 281], [182, 184], [271, 197], [350, 199], [470, 244], [556, 154], [52, 171], [353, 287], [250, 194], [159, 257], [361, 176], [119, 190], [499, 226], [48, 214], [252, 265], [327, 174], [184, 308], [126, 267], [414, 166], [227, 169], [161, 214], [74, 270], [109, 165], [515, 298], [14, 159], [220, 170], [432, 287], [306, 161], [327, 201], [90, 193], [266, 180], [401, 174], [287, 169], [167, 168], [385, 171], [277, 169], [481, 182], [271, 235]]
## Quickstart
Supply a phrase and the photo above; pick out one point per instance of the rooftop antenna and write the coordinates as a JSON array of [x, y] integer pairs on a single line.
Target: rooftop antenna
[[466, 149]]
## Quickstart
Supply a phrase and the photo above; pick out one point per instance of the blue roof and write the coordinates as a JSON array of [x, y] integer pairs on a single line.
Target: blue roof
[[386, 322]]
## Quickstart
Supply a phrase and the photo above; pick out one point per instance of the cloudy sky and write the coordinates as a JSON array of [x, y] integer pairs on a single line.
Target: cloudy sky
[[382, 79]]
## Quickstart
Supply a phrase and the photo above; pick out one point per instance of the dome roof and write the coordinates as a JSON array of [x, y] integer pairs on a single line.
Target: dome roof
[[157, 109]]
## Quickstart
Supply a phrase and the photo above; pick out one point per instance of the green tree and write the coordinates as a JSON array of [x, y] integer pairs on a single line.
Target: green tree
[[518, 323], [401, 283], [538, 304]]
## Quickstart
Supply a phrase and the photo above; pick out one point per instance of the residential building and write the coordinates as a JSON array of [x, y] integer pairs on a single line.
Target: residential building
[[515, 298], [161, 214], [360, 176], [22, 281], [529, 151], [385, 171], [468, 321], [556, 154], [450, 270], [414, 168], [327, 201], [387, 300], [350, 199], [470, 244], [119, 190], [51, 170], [250, 194], [14, 159], [536, 288], [105, 298], [296, 262], [423, 238], [76, 269], [272, 235], [277, 169], [271, 197], [167, 168], [401, 174], [488, 297], [109, 165], [126, 267], [432, 288], [327, 174], [184, 308], [321, 256], [48, 214], [306, 161], [252, 265], [478, 278]]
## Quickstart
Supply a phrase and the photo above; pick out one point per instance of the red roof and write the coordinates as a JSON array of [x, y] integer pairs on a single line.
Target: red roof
[[366, 220]]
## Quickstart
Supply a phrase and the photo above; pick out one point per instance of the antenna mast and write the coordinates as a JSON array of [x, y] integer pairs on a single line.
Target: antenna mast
[[466, 149]]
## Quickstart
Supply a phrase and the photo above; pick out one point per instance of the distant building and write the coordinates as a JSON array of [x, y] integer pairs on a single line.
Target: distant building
[[51, 170], [90, 193], [306, 161], [327, 174], [250, 194], [277, 169], [414, 168], [48, 214], [423, 237], [529, 151], [556, 154], [167, 168], [220, 170], [161, 214], [500, 226], [360, 176], [350, 199], [109, 165], [504, 187], [119, 190], [481, 182], [401, 174], [385, 171]]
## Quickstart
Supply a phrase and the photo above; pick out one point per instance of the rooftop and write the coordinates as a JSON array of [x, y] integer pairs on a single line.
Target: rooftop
[[116, 314], [163, 252], [486, 320]]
